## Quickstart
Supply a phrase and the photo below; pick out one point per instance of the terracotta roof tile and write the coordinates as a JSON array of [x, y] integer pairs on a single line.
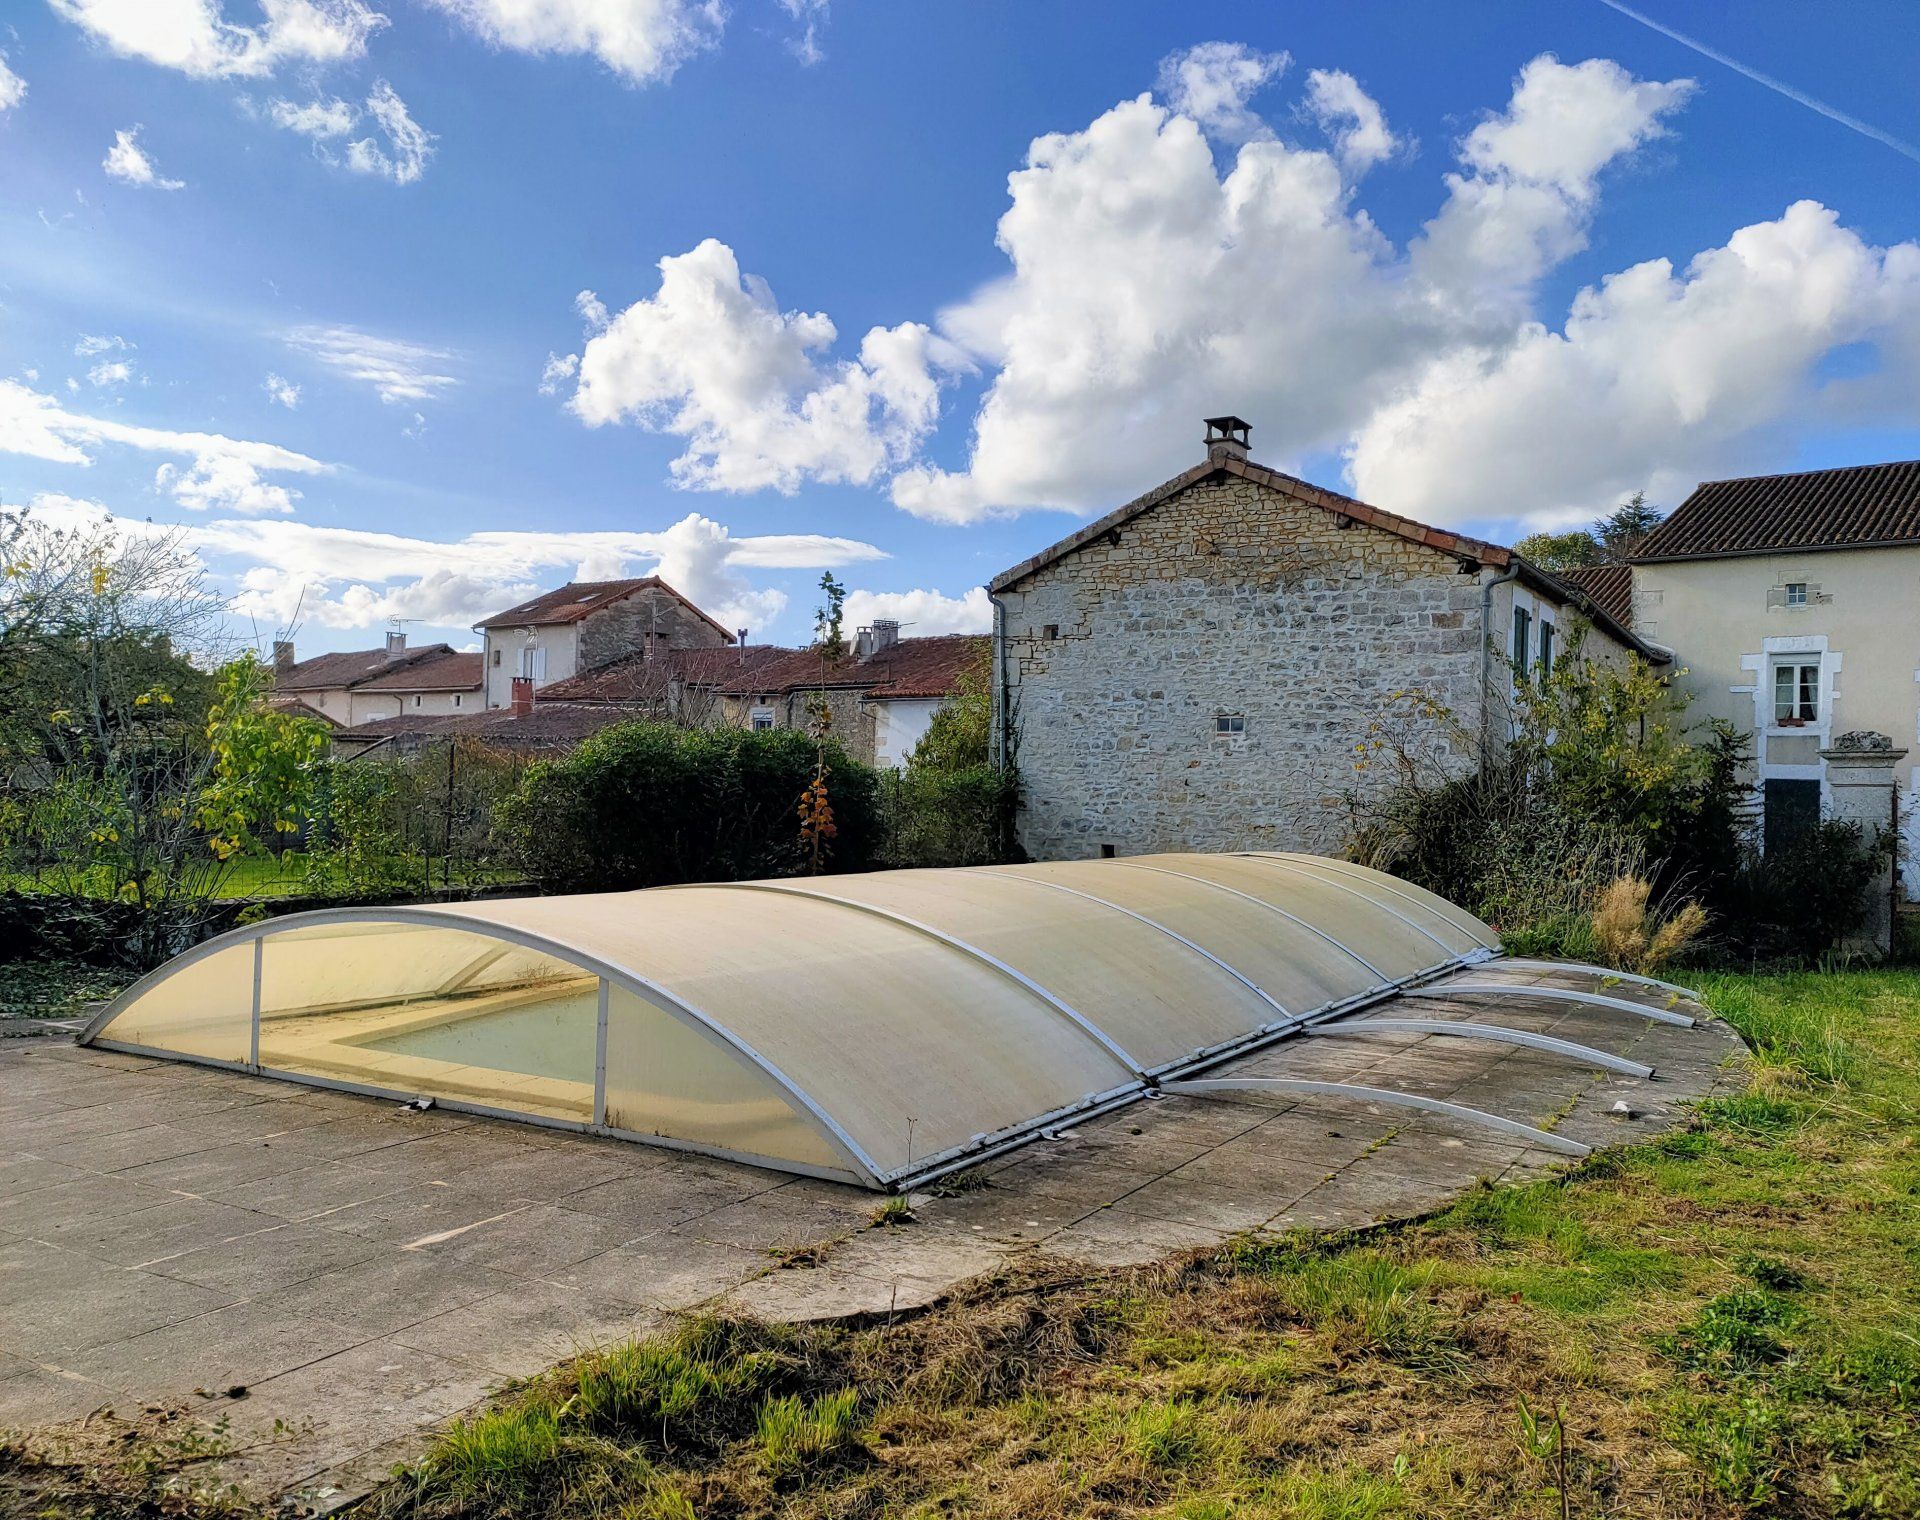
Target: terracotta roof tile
[[1853, 507], [1608, 587], [581, 599], [922, 667], [556, 725], [452, 671], [327, 672], [638, 679]]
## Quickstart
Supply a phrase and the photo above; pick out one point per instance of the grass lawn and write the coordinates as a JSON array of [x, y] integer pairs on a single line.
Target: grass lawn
[[1722, 1323]]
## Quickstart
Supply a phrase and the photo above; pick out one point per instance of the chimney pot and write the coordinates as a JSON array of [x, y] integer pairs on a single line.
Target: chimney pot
[[283, 655], [522, 696], [1227, 438], [396, 643]]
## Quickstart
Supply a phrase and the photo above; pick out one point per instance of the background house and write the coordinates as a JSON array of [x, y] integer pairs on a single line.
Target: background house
[[357, 686], [1195, 669], [1792, 603], [588, 624]]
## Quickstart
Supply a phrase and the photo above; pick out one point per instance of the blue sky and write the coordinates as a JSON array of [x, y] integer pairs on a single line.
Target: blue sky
[[306, 278]]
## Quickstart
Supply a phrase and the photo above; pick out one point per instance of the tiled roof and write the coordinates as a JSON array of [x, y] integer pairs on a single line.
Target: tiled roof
[[297, 707], [329, 672], [1855, 507], [553, 725], [638, 679], [1608, 587], [452, 671], [580, 599], [922, 667]]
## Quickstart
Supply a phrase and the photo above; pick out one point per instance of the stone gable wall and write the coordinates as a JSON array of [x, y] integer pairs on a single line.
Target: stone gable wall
[[614, 632], [1230, 597]]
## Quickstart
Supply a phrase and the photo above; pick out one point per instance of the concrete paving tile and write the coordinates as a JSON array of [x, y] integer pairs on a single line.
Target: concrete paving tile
[[32, 1396], [663, 1271], [931, 1251], [1363, 1194], [1073, 1173], [276, 1257], [78, 1202], [778, 1221], [527, 1330], [666, 1195], [239, 1344], [54, 1302], [804, 1293], [387, 1292], [463, 1154], [372, 1126], [1113, 1238], [1227, 1209], [149, 1236], [551, 1173], [426, 1209], [1015, 1213], [22, 1174], [133, 1147], [223, 1166], [310, 1191], [531, 1241]]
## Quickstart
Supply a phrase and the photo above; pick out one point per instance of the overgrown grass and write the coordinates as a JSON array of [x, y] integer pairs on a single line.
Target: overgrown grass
[[55, 989], [1724, 1322]]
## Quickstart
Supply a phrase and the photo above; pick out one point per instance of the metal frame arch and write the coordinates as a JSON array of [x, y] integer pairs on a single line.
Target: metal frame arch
[[1467, 1029], [1463, 990], [1219, 886], [1604, 973], [648, 991], [1386, 882], [1352, 891], [953, 942]]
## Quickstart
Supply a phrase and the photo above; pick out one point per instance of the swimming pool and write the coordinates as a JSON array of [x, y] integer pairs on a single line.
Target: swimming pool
[[550, 1039]]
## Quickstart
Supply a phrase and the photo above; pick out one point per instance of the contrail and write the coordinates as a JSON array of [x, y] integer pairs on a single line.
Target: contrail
[[1779, 87]]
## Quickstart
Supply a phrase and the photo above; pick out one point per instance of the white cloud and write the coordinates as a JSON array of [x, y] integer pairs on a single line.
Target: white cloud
[[1147, 289], [409, 145], [196, 38], [921, 613], [1212, 83], [90, 344], [713, 360], [13, 89], [110, 372], [315, 118], [396, 369], [559, 369], [640, 40], [1352, 119], [127, 162], [281, 391], [1657, 381], [812, 16], [221, 473]]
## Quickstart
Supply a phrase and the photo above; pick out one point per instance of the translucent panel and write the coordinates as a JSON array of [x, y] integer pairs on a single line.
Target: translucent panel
[[1294, 966], [1151, 995], [423, 1010], [1468, 933], [666, 1079], [203, 1008], [1395, 947], [913, 1047]]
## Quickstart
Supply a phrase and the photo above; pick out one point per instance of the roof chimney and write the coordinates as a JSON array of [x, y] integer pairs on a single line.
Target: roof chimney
[[282, 656], [396, 643], [1227, 438], [522, 696], [742, 642], [881, 634]]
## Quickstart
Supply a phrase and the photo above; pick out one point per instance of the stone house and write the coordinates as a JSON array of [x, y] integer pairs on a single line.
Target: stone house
[[1792, 606], [1195, 669], [584, 625], [357, 686], [881, 695]]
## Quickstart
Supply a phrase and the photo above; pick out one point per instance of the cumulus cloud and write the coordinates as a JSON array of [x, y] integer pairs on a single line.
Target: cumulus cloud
[[396, 369], [196, 38], [1212, 83], [923, 612], [712, 359], [641, 41], [220, 473], [318, 119], [127, 162], [13, 89], [109, 373], [1148, 288], [353, 578], [1351, 118], [281, 391]]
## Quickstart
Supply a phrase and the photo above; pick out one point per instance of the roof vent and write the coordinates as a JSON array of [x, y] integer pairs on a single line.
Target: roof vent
[[1227, 438], [396, 644]]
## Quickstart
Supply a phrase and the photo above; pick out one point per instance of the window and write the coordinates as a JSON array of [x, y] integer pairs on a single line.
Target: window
[[761, 719], [1796, 694], [1522, 639], [1796, 593], [416, 701], [533, 662], [496, 658], [1546, 649], [1106, 852], [456, 699], [1051, 631], [1225, 724]]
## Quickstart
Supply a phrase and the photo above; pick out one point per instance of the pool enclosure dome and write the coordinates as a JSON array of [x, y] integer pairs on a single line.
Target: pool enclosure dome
[[879, 1029]]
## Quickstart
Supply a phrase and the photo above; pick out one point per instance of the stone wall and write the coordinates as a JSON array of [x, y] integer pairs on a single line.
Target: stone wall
[[620, 630], [1230, 598]]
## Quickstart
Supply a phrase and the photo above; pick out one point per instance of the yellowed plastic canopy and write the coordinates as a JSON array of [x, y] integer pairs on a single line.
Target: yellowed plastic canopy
[[879, 1028]]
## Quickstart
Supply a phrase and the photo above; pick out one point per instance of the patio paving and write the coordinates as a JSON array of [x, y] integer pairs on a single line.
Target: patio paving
[[359, 1272]]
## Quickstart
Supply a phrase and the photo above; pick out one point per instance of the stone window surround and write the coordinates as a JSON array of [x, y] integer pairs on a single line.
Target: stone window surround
[[1771, 653]]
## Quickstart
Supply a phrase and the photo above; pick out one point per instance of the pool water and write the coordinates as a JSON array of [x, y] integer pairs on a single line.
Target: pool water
[[553, 1039]]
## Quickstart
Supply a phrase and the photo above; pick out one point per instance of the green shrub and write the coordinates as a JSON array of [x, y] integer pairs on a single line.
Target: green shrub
[[647, 804], [1801, 897], [948, 818]]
